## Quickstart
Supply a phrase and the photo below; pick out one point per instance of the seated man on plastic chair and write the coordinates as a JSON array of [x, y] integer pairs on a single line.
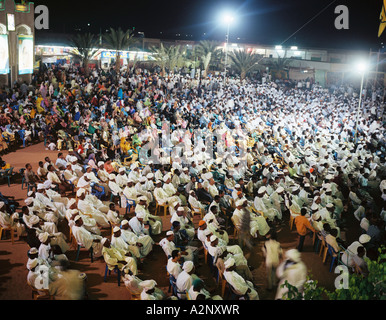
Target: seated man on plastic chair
[[241, 286], [181, 240]]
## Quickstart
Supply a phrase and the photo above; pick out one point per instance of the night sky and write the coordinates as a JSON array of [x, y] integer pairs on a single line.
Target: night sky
[[257, 21]]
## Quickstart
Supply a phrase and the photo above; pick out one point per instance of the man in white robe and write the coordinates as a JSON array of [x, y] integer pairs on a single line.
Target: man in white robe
[[85, 238]]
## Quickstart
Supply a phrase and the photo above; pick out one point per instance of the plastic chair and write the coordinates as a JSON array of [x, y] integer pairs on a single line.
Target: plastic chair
[[79, 246], [129, 203], [133, 296], [12, 232], [40, 294], [116, 270], [160, 206], [113, 196], [334, 256], [7, 174]]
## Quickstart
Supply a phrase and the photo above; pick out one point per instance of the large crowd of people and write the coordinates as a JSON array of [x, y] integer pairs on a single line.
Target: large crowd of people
[[243, 155]]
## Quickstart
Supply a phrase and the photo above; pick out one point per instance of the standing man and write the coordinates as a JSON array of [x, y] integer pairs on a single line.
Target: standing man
[[302, 224]]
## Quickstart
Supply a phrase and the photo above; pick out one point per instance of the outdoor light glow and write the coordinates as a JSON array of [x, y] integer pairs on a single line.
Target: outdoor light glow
[[228, 18], [362, 66], [278, 47], [294, 48]]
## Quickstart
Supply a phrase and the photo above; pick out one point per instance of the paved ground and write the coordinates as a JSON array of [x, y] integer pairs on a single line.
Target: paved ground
[[13, 273]]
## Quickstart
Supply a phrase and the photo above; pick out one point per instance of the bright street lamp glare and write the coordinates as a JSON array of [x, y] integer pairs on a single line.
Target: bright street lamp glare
[[362, 66], [228, 18]]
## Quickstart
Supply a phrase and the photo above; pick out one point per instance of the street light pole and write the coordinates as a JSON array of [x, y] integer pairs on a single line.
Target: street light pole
[[359, 106], [226, 51]]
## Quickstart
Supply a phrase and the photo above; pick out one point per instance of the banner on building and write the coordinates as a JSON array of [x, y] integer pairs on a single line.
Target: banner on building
[[26, 54], [4, 56]]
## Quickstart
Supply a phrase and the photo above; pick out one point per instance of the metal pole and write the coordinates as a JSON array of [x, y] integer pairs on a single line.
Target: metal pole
[[226, 53], [359, 106]]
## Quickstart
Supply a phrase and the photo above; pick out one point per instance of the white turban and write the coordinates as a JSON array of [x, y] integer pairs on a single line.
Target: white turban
[[188, 266], [111, 176], [262, 190], [34, 220], [148, 284], [40, 186], [116, 229], [280, 190], [121, 169], [150, 176], [124, 222], [213, 238], [101, 163], [364, 238], [293, 254], [169, 233], [43, 237], [80, 192], [27, 201]]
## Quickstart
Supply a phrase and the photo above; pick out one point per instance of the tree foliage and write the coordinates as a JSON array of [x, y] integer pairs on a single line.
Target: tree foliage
[[84, 48]]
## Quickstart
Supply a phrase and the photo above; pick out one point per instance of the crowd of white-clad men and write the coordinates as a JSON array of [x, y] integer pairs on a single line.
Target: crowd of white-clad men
[[301, 159]]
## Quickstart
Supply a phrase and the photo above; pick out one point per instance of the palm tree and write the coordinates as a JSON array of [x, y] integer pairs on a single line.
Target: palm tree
[[119, 40], [84, 48], [209, 54], [244, 62], [161, 57]]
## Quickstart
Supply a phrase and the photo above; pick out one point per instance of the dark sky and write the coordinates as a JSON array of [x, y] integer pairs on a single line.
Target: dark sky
[[257, 21]]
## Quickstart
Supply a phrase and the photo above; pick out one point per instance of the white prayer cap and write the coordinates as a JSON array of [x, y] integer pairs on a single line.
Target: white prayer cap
[[329, 177], [364, 238], [34, 220], [101, 163], [314, 207], [80, 192], [158, 181], [116, 229], [124, 222], [142, 198], [134, 166], [103, 241], [166, 177], [77, 218], [207, 231], [295, 188], [207, 176], [262, 190], [43, 237], [285, 171], [30, 193], [185, 169], [150, 176], [213, 238], [27, 201], [73, 159], [330, 205], [33, 263], [40, 186], [293, 254], [188, 266], [229, 263], [33, 251], [148, 284], [240, 202], [111, 176], [150, 162], [121, 169], [181, 209], [169, 233], [47, 184], [307, 185], [316, 216], [237, 186], [280, 190], [71, 202], [142, 179]]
